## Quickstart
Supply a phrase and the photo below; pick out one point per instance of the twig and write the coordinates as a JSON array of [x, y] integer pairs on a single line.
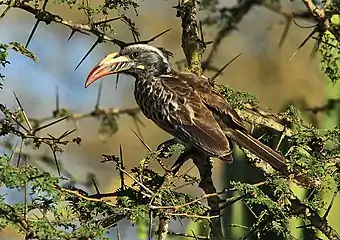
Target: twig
[[186, 204], [188, 215], [324, 22], [48, 17], [93, 27], [188, 236], [134, 179], [21, 109], [97, 112], [122, 182], [87, 198], [301, 209]]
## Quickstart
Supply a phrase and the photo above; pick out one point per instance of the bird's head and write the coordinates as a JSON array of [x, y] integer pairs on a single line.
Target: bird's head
[[134, 59]]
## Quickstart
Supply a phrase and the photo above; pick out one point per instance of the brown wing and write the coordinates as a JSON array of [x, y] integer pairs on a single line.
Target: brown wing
[[216, 110], [231, 123], [224, 114], [193, 121]]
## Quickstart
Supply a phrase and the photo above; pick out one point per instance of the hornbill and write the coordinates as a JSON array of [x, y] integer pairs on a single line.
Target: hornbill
[[184, 105]]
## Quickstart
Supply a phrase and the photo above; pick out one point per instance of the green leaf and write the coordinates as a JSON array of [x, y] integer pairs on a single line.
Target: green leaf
[[18, 47]]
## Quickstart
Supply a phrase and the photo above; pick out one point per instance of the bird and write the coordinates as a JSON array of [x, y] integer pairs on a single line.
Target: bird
[[184, 105]]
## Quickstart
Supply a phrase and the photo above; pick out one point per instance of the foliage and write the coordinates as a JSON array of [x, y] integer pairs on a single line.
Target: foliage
[[71, 213], [330, 52]]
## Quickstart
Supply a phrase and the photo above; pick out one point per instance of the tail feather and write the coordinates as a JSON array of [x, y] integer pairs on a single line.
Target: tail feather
[[276, 160], [244, 139]]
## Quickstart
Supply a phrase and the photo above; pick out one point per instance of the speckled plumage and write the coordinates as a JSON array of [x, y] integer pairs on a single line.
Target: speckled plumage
[[185, 105]]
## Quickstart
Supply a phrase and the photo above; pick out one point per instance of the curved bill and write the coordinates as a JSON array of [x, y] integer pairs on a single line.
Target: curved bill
[[112, 63]]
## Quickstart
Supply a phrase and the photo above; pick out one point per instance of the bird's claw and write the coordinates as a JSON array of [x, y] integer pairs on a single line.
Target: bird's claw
[[182, 158], [163, 149]]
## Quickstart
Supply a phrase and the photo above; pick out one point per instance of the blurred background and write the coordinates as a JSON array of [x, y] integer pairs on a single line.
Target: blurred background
[[263, 69]]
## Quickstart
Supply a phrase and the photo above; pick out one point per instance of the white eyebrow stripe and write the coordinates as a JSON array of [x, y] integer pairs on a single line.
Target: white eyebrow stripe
[[151, 48]]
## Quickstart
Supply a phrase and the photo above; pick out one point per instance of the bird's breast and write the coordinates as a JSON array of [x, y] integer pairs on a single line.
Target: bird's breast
[[156, 103]]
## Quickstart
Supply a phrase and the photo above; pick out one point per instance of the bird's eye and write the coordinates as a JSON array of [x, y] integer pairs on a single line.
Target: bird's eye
[[135, 54]]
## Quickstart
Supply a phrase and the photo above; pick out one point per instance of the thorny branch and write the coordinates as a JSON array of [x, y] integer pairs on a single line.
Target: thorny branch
[[47, 17], [299, 208], [96, 113], [236, 15], [92, 27], [230, 17], [35, 125]]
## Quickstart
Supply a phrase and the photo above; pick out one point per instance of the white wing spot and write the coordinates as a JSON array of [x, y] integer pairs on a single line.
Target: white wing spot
[[191, 112], [175, 106]]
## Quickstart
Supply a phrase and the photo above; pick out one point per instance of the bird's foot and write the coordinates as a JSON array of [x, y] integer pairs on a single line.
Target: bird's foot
[[182, 158], [164, 150]]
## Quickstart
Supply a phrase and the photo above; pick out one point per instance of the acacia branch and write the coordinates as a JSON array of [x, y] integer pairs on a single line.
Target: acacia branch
[[255, 117], [96, 113], [192, 45], [100, 199], [231, 17], [48, 17], [204, 167], [323, 19], [299, 208]]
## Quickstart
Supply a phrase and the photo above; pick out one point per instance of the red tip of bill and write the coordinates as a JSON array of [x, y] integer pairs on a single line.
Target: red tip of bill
[[96, 73]]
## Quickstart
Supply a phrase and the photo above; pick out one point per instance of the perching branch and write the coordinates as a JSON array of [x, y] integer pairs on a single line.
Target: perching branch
[[204, 167], [299, 208]]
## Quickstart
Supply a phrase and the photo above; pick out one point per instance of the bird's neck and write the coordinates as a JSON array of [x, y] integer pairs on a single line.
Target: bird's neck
[[146, 79], [147, 90], [151, 77]]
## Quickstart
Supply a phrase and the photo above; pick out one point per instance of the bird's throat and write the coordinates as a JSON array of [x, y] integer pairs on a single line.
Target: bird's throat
[[151, 97]]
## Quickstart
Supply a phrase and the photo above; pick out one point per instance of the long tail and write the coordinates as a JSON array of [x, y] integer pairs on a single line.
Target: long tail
[[245, 140], [276, 160]]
